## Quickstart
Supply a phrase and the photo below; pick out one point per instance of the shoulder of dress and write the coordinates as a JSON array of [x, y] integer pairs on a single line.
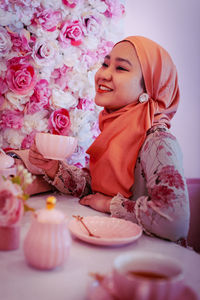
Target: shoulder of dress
[[159, 132]]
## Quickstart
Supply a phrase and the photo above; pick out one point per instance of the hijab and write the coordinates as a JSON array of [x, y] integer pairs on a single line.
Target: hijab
[[114, 153]]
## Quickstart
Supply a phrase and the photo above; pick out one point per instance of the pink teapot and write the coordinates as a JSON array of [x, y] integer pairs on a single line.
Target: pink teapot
[[48, 240]]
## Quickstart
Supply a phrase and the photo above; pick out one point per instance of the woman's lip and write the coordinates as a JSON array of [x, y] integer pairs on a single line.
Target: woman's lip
[[100, 90], [103, 91]]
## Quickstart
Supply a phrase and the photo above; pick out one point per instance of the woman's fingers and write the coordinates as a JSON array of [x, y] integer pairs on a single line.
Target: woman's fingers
[[86, 200]]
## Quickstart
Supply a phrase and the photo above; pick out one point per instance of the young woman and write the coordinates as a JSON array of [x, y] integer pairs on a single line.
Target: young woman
[[135, 169]]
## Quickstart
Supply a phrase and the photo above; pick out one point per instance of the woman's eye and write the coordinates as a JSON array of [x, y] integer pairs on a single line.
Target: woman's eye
[[104, 65], [121, 68]]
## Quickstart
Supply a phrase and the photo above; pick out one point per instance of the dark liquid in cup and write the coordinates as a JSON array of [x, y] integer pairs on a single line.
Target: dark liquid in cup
[[148, 275]]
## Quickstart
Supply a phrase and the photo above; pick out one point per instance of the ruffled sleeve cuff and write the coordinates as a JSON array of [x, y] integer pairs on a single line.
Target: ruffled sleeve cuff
[[121, 207], [71, 180]]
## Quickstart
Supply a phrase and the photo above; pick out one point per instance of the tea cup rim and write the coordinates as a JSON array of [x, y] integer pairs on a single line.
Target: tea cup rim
[[159, 257]]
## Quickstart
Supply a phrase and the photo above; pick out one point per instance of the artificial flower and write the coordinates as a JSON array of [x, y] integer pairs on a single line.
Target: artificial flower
[[59, 122], [49, 53], [21, 78], [5, 42], [13, 196], [71, 32]]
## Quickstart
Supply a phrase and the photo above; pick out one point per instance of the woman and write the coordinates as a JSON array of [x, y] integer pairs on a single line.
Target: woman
[[135, 168]]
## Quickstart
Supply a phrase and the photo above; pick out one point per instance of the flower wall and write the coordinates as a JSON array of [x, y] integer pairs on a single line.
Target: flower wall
[[49, 53]]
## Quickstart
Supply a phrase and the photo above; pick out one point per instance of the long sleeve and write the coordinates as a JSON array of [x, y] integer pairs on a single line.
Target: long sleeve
[[71, 180], [162, 204]]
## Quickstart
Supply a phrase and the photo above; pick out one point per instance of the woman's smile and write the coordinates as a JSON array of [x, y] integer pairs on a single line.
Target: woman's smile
[[102, 88]]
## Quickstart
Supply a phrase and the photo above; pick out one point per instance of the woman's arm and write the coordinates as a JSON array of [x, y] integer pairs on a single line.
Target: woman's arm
[[165, 211]]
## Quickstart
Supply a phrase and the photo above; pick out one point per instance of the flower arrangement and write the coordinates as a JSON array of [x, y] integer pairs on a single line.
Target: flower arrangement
[[13, 196], [49, 53]]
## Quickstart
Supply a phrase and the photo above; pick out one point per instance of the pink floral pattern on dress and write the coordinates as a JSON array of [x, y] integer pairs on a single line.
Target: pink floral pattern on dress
[[170, 176], [162, 195], [129, 205], [160, 201]]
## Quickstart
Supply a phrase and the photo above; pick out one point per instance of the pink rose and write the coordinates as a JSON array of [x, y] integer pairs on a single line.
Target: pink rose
[[89, 58], [115, 8], [42, 91], [11, 119], [61, 76], [22, 42], [59, 122], [11, 207], [40, 98], [48, 19], [2, 101], [71, 32], [92, 25], [104, 48], [3, 86], [86, 104], [18, 60], [5, 42], [21, 78], [70, 3], [28, 140], [21, 3]]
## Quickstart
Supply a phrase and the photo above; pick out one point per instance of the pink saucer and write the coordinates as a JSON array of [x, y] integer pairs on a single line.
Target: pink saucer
[[111, 231], [105, 290]]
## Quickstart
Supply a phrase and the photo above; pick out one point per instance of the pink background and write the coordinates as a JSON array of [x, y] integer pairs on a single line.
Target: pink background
[[175, 25]]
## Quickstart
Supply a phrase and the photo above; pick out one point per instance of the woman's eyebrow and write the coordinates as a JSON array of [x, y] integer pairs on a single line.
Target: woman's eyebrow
[[120, 59], [123, 60]]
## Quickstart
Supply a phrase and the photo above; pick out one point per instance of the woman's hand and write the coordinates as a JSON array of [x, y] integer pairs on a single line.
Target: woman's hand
[[48, 165], [97, 201]]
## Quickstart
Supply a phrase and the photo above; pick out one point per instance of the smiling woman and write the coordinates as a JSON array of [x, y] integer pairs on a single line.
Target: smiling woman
[[119, 81], [135, 168]]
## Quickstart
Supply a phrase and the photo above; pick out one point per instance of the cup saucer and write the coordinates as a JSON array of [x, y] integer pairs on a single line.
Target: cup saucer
[[103, 289]]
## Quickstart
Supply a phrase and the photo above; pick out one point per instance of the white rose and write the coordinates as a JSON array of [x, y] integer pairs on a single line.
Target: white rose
[[37, 121], [6, 17], [44, 52], [71, 56], [99, 5], [61, 99], [18, 101], [5, 42], [13, 137]]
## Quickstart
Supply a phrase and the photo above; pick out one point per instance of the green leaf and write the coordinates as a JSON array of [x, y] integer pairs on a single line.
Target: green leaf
[[16, 180]]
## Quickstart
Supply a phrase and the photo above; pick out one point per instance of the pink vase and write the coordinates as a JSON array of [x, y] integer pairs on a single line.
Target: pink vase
[[47, 245], [9, 237]]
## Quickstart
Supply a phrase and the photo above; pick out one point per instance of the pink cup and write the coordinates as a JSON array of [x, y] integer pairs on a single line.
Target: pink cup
[[9, 237], [147, 276]]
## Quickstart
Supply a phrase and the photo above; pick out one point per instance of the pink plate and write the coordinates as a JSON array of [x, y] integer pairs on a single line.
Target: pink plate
[[111, 231]]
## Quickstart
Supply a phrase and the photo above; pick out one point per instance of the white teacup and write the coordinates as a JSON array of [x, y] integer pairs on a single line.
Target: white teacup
[[147, 276]]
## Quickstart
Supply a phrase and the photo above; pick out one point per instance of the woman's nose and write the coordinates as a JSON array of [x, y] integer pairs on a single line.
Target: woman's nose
[[107, 74]]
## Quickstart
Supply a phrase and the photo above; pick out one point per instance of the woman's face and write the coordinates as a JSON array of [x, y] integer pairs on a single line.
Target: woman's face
[[119, 81]]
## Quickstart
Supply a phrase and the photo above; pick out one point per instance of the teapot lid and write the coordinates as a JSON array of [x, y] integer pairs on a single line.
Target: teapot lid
[[50, 214]]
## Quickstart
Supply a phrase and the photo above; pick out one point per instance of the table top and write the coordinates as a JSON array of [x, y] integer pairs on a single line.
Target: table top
[[70, 281]]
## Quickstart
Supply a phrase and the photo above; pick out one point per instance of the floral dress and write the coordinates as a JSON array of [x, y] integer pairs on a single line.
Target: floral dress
[[159, 201]]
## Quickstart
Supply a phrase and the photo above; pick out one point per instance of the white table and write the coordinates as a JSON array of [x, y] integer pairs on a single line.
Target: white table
[[18, 281]]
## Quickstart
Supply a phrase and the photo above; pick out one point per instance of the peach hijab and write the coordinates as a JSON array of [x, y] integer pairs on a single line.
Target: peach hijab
[[114, 153]]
